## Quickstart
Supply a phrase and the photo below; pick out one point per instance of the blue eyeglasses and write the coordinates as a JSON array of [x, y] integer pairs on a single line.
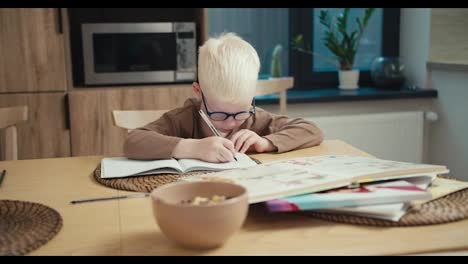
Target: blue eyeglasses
[[221, 116]]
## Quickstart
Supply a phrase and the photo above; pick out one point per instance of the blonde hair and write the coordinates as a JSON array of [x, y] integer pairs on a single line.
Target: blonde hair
[[228, 67]]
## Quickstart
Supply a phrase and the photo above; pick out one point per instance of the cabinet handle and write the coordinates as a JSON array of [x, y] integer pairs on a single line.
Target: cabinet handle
[[66, 104], [59, 20]]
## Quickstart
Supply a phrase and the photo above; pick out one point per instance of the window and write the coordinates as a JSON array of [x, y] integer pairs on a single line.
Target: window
[[311, 72], [264, 28]]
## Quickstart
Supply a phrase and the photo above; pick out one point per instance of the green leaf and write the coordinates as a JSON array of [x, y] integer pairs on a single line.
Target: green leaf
[[367, 15], [358, 21], [342, 21], [297, 42], [325, 18], [298, 38], [353, 38]]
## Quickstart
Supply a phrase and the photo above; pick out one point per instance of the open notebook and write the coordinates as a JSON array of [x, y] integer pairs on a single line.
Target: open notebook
[[118, 167]]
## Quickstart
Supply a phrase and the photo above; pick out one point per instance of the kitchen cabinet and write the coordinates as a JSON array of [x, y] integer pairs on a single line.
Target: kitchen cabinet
[[32, 50]]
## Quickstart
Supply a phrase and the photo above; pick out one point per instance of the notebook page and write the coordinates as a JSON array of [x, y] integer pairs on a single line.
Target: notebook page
[[117, 167], [243, 161], [273, 180], [441, 187], [347, 166]]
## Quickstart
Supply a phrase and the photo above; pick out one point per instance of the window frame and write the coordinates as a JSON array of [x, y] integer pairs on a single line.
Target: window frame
[[301, 64]]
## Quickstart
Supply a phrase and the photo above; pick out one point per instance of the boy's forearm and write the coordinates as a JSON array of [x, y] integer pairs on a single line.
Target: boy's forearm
[[149, 145], [185, 149], [284, 142], [297, 135], [270, 147]]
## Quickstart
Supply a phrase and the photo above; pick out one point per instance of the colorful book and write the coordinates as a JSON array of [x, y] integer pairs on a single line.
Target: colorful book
[[439, 187], [398, 191], [391, 212]]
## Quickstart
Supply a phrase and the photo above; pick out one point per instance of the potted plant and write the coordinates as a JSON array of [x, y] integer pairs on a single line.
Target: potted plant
[[343, 44], [275, 68]]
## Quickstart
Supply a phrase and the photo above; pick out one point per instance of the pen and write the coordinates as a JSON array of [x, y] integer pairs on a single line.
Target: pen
[[210, 125], [111, 198], [2, 176]]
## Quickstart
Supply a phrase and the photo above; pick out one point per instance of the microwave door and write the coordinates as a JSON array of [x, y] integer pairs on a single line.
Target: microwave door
[[135, 57]]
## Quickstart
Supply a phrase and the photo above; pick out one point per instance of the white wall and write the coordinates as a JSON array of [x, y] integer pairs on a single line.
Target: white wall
[[414, 43], [447, 139], [449, 135]]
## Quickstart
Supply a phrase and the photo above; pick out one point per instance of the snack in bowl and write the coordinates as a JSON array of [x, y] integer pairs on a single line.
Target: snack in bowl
[[198, 200], [199, 214]]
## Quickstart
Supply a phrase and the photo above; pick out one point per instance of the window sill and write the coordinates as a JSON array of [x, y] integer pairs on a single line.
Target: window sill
[[337, 95]]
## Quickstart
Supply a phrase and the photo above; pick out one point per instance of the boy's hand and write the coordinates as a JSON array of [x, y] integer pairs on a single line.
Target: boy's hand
[[247, 139], [215, 149], [211, 149]]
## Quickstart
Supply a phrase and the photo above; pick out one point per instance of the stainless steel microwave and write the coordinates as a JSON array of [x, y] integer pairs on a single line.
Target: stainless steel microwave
[[136, 53]]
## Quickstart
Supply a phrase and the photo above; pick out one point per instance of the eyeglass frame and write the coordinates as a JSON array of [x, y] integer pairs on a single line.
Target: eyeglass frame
[[251, 112]]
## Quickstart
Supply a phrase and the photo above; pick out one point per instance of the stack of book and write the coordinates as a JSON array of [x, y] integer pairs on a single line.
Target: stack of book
[[387, 200], [384, 200], [343, 184]]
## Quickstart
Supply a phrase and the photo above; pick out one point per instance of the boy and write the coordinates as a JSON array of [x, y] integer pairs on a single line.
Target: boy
[[228, 70]]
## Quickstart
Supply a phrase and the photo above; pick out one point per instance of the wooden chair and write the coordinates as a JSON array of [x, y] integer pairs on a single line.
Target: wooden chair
[[276, 85], [131, 119], [9, 118]]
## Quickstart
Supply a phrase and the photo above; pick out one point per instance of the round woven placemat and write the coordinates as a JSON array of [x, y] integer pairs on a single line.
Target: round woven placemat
[[145, 183], [450, 208], [25, 226]]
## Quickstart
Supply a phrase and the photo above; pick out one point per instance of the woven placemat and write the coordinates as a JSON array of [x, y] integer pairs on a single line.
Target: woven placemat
[[145, 183], [449, 208], [25, 226]]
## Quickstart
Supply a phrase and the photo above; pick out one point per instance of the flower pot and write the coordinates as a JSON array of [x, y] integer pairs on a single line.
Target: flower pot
[[348, 79]]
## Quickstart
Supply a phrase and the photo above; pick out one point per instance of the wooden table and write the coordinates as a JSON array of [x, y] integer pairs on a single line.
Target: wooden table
[[127, 227]]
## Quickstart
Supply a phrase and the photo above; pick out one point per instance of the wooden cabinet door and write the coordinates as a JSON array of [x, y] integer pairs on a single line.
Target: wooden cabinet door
[[45, 133], [32, 50]]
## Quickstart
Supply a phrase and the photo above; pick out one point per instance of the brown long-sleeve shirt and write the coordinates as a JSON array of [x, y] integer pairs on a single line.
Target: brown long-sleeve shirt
[[158, 139]]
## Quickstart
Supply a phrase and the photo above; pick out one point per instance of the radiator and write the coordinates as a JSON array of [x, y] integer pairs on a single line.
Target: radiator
[[394, 136]]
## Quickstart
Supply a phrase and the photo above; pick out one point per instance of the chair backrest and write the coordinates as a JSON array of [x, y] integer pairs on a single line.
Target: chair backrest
[[276, 85], [131, 119], [9, 118]]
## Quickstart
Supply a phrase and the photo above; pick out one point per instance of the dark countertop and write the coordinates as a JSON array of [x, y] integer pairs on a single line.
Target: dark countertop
[[337, 95]]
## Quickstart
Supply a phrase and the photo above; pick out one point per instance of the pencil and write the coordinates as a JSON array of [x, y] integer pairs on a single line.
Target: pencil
[[210, 125], [2, 176], [110, 198]]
